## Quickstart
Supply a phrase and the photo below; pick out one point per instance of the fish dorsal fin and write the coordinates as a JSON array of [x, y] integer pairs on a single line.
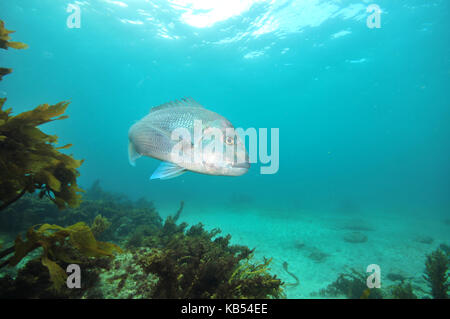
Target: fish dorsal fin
[[186, 101], [167, 170]]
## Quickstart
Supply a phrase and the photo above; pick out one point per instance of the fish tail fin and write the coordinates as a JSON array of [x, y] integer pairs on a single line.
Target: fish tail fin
[[133, 155]]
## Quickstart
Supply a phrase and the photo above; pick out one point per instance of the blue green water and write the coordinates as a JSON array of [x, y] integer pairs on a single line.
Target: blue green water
[[362, 113]]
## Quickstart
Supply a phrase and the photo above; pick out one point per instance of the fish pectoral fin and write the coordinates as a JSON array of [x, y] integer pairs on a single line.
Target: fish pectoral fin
[[132, 154], [167, 170]]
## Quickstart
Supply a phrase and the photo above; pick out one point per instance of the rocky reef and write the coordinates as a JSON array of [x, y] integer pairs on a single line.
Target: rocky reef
[[352, 284], [145, 257]]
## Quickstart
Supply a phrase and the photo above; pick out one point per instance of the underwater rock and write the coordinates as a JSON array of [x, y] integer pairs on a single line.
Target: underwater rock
[[60, 245], [126, 279], [356, 225], [196, 263], [395, 277], [99, 226], [164, 260], [299, 245], [355, 237], [351, 285], [33, 281], [122, 215], [311, 252], [138, 237], [424, 239], [402, 290], [317, 255]]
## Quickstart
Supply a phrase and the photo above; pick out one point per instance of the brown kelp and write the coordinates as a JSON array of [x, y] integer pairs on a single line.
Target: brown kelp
[[57, 245], [30, 162], [164, 259], [5, 43], [29, 159]]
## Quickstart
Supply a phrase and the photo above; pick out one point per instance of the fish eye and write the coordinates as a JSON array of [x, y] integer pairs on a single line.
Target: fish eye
[[229, 140]]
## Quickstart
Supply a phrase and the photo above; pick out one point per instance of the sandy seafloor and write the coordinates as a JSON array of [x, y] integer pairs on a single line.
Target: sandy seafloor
[[397, 243]]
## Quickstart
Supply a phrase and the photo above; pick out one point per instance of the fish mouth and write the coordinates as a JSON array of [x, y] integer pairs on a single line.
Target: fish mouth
[[241, 165]]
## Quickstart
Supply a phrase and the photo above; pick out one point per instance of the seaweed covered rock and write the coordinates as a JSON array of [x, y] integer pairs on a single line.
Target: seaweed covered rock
[[437, 273], [403, 290], [126, 279], [33, 281], [194, 263], [355, 237], [100, 225], [98, 280], [118, 220], [164, 260], [72, 244], [352, 285]]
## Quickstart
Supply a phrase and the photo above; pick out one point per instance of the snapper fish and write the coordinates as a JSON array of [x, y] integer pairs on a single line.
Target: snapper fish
[[185, 136]]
